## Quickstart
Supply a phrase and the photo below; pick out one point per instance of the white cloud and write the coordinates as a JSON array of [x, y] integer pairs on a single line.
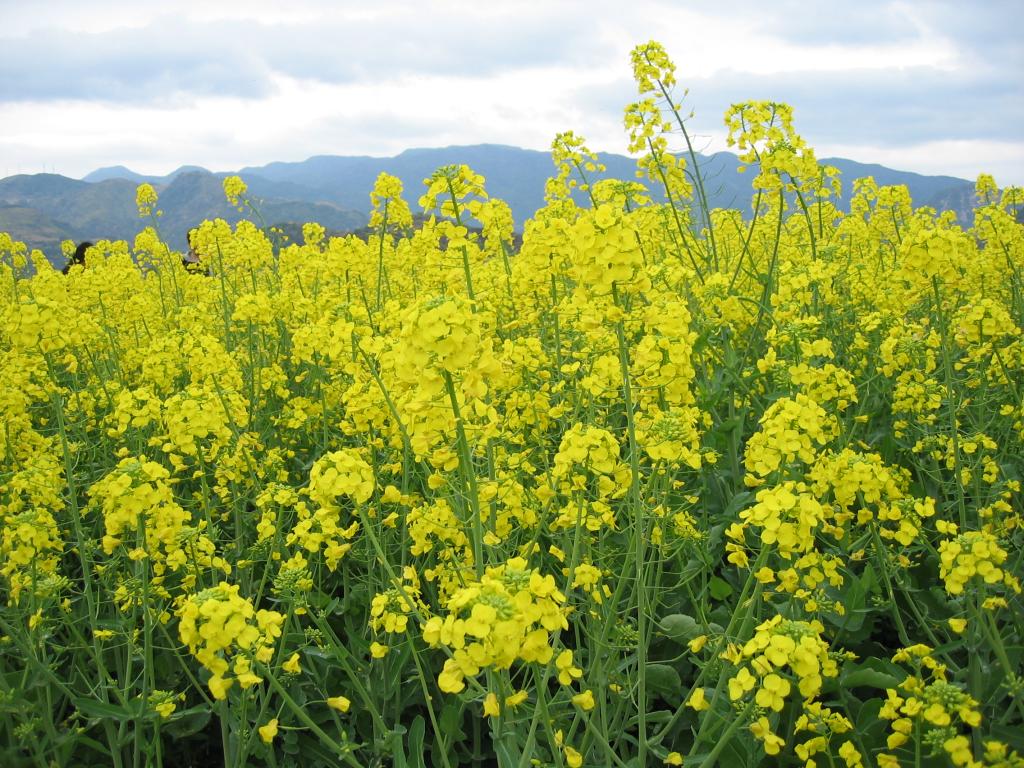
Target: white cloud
[[303, 118], [966, 159], [243, 82]]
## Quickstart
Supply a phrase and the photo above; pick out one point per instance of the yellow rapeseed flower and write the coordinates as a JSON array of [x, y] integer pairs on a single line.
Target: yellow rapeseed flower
[[268, 731], [339, 703], [584, 700]]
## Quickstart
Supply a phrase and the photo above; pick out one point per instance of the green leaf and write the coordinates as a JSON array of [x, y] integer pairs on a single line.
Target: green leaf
[[870, 726], [450, 722], [105, 710], [416, 734], [736, 752], [397, 751], [290, 742], [691, 570], [663, 679], [680, 627], [720, 588], [323, 602], [738, 502], [659, 716], [868, 581], [504, 754], [187, 722], [873, 673]]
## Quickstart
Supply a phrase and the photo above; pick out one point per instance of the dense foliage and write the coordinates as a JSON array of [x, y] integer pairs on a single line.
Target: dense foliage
[[663, 484]]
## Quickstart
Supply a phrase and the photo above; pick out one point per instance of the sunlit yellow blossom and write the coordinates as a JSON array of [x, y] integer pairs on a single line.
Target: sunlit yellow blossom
[[268, 731], [234, 189], [145, 199], [762, 732], [697, 701], [566, 671], [585, 700], [491, 706], [339, 703]]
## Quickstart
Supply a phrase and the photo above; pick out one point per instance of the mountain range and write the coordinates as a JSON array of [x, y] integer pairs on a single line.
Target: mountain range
[[43, 209]]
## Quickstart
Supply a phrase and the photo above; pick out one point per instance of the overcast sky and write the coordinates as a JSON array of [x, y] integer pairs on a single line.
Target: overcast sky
[[933, 87]]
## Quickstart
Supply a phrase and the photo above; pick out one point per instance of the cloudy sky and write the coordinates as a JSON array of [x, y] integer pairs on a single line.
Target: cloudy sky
[[934, 87]]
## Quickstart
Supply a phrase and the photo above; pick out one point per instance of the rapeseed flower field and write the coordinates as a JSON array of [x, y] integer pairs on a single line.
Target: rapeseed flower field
[[664, 485]]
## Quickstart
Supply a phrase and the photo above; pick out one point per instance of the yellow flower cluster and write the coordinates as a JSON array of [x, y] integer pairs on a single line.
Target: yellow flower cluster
[[234, 189], [137, 503], [973, 554], [441, 334], [824, 723], [227, 636], [780, 653], [335, 475], [606, 257], [571, 156], [791, 430], [588, 460], [763, 132], [935, 705], [508, 615], [390, 610], [145, 199], [788, 515], [389, 209]]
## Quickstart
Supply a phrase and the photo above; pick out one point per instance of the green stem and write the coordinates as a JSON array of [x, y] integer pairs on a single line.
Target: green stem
[[726, 737], [640, 536], [344, 752], [469, 477]]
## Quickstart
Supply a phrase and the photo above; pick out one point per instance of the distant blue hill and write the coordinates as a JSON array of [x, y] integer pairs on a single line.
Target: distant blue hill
[[120, 172], [43, 209], [518, 175], [335, 190]]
